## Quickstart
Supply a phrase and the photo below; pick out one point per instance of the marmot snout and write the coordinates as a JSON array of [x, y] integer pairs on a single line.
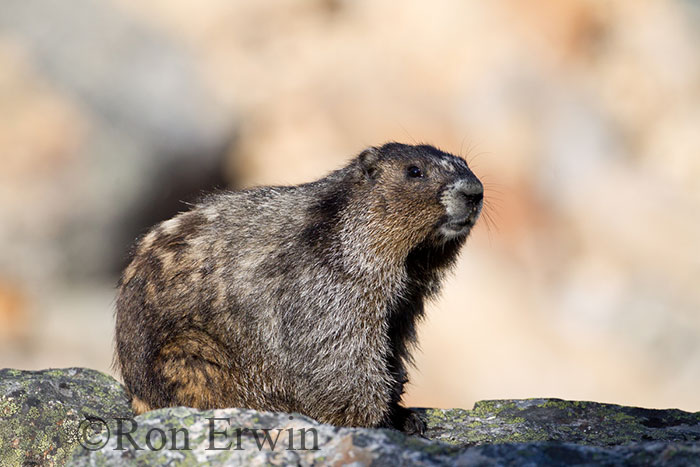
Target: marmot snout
[[298, 298]]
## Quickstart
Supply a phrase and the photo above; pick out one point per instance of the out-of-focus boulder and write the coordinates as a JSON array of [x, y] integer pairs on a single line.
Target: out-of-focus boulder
[[144, 135]]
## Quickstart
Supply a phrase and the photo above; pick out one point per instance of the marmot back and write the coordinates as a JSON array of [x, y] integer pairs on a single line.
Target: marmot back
[[298, 299]]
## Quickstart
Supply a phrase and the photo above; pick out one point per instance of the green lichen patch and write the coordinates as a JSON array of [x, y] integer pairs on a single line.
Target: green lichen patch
[[586, 423], [40, 411]]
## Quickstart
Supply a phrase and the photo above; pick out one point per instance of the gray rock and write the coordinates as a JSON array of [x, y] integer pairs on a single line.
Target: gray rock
[[529, 432], [82, 416], [154, 135], [131, 77], [531, 420], [240, 436], [41, 411]]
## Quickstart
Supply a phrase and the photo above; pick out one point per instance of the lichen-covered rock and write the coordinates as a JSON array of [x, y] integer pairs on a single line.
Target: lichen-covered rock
[[41, 411], [558, 454], [531, 420], [183, 436], [52, 416], [509, 432]]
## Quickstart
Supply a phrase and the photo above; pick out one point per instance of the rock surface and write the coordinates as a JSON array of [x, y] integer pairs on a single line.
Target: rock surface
[[41, 411], [52, 416]]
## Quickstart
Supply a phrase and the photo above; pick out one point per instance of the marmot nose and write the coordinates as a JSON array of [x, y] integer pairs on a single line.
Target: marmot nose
[[472, 193]]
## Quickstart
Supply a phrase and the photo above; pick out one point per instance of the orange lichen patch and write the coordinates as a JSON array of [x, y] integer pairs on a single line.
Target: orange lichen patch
[[14, 311]]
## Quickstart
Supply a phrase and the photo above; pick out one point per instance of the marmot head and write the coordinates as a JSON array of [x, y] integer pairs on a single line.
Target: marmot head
[[419, 193]]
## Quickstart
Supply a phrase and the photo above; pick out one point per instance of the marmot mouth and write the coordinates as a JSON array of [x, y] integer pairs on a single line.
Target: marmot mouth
[[460, 224], [464, 222]]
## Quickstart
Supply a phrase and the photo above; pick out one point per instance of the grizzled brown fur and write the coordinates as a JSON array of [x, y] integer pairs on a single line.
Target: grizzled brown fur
[[297, 298]]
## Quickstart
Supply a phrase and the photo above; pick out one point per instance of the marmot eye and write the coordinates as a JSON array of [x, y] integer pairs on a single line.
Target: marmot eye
[[414, 172]]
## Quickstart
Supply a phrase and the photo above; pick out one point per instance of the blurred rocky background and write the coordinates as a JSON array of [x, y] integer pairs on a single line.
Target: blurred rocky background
[[582, 280]]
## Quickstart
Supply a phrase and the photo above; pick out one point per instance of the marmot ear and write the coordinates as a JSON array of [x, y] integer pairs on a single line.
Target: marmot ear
[[368, 162]]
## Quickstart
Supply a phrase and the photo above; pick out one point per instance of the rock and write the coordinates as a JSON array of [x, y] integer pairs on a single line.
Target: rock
[[530, 420], [530, 432], [51, 416], [41, 411], [240, 436], [148, 132]]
